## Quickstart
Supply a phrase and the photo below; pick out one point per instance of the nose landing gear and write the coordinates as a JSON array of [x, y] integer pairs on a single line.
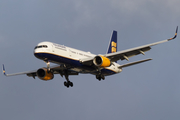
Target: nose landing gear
[[48, 65]]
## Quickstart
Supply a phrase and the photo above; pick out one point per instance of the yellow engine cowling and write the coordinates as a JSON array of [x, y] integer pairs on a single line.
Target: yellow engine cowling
[[102, 61], [43, 74]]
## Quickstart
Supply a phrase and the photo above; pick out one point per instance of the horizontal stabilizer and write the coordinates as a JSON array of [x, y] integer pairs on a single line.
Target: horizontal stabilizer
[[133, 63]]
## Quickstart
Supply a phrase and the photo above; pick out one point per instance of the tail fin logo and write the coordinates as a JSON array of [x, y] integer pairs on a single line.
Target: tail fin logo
[[113, 47]]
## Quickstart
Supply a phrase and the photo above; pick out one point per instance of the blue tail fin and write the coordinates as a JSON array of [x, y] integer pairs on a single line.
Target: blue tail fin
[[113, 43]]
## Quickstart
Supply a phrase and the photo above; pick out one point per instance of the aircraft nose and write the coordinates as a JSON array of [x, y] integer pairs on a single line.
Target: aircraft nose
[[36, 53], [38, 50]]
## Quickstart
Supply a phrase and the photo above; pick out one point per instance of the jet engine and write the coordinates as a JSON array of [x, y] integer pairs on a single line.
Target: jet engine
[[102, 61], [44, 74]]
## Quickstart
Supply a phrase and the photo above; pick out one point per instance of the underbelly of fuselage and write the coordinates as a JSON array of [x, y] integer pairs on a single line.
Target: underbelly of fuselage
[[73, 64]]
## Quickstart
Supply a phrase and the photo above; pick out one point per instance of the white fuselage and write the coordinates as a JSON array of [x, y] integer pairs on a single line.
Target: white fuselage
[[61, 54]]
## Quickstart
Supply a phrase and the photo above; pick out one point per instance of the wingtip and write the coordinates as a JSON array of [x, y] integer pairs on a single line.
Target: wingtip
[[4, 72], [175, 34], [176, 31]]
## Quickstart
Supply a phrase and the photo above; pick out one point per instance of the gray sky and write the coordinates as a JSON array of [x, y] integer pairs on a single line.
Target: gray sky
[[148, 91]]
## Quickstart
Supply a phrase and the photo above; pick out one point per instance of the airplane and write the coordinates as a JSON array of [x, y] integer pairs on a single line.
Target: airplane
[[71, 61]]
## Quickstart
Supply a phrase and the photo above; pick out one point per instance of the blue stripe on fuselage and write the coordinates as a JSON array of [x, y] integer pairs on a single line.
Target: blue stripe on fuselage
[[58, 59], [74, 63]]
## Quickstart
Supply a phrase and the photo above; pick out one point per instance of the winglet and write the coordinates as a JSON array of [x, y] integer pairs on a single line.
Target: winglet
[[4, 72], [174, 35]]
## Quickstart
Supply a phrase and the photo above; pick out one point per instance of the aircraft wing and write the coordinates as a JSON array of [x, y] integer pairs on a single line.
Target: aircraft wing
[[125, 54], [56, 70], [20, 73]]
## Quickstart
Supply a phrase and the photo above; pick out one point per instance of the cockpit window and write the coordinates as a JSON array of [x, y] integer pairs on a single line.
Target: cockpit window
[[41, 46]]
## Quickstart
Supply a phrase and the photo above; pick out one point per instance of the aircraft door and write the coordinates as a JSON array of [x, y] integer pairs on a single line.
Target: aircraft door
[[72, 53], [53, 49]]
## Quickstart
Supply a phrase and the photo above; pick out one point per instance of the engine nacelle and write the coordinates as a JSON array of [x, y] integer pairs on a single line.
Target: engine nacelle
[[102, 61], [43, 74]]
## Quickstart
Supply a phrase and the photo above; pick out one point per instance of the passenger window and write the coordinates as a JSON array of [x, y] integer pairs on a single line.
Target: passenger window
[[36, 47], [45, 46]]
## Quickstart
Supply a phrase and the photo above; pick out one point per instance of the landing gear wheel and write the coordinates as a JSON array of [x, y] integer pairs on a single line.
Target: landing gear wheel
[[71, 84], [67, 84], [99, 77], [102, 76]]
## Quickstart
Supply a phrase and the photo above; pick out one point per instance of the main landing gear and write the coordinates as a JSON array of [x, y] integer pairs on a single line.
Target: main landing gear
[[99, 77], [67, 83]]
